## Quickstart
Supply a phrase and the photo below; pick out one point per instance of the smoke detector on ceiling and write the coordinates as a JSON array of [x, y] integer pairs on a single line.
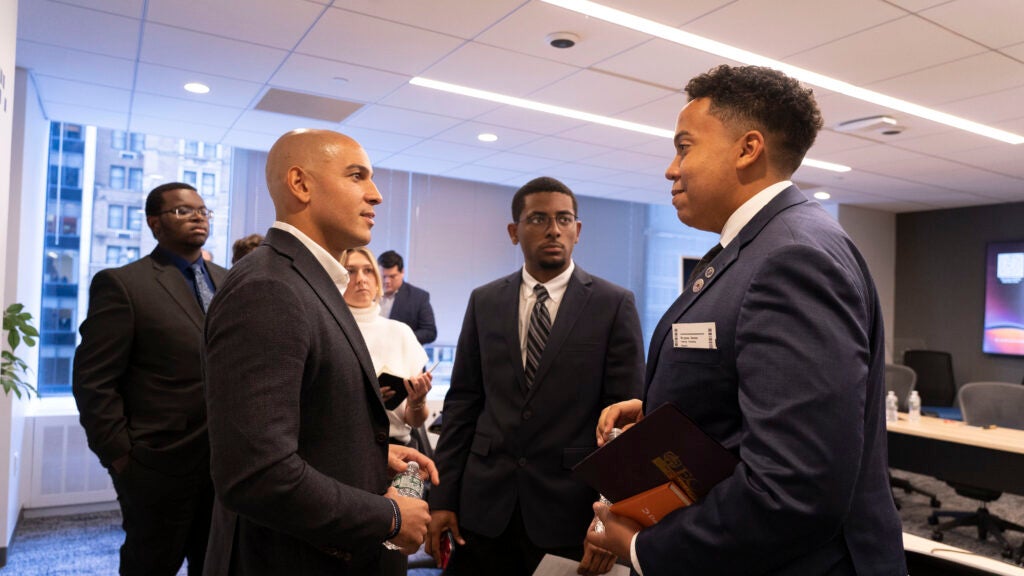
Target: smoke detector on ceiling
[[562, 40], [881, 124]]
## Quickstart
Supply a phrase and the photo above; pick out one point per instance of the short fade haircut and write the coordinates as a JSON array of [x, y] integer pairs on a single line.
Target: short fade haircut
[[541, 184], [155, 200], [373, 264], [758, 98], [390, 259]]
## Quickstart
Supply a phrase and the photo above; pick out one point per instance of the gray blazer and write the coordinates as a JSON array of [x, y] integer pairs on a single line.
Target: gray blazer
[[502, 444], [298, 434], [138, 372]]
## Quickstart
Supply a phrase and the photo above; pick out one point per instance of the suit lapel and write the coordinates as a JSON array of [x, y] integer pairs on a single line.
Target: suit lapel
[[170, 278], [577, 293], [307, 266], [785, 199]]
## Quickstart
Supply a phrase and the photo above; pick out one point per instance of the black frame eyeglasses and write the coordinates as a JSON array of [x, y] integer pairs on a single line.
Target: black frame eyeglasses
[[541, 220]]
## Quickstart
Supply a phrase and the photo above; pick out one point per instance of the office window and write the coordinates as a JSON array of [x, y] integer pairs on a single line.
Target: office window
[[112, 235], [135, 179], [115, 216], [138, 142], [113, 255], [135, 214], [191, 148], [209, 184], [117, 177]]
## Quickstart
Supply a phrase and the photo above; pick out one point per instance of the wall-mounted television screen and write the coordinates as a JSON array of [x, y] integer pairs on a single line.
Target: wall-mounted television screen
[[1004, 298]]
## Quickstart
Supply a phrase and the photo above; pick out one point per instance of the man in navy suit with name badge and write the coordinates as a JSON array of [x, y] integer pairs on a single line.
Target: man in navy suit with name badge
[[789, 371], [541, 352]]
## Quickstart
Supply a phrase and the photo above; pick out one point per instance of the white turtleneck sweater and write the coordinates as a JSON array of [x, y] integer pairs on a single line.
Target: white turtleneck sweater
[[393, 348]]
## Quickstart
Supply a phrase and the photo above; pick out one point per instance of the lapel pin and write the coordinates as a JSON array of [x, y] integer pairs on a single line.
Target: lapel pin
[[709, 272], [698, 284]]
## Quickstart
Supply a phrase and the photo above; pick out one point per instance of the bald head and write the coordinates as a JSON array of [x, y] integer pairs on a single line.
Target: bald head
[[321, 182]]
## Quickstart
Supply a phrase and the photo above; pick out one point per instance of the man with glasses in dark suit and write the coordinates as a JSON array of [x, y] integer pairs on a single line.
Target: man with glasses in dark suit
[[138, 383]]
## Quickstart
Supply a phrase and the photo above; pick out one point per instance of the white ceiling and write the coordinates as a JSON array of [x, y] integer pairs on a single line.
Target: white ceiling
[[122, 64]]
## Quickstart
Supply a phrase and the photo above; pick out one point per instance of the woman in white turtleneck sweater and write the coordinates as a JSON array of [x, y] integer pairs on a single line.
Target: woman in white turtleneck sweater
[[393, 346]]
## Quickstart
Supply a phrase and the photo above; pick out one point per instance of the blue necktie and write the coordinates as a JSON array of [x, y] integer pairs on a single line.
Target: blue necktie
[[202, 287], [537, 335]]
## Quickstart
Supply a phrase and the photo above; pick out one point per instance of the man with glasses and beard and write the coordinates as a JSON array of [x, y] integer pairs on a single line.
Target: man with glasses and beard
[[541, 352], [138, 383]]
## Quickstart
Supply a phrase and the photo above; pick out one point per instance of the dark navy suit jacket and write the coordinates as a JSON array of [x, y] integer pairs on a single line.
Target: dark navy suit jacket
[[412, 307], [795, 388]]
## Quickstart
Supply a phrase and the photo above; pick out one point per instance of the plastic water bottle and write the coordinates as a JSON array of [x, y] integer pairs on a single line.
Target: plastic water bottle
[[407, 484], [598, 525], [915, 406], [891, 404]]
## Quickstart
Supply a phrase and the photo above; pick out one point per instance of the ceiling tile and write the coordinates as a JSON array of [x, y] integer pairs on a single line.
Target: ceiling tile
[[378, 140], [314, 75], [582, 172], [154, 106], [401, 121], [474, 16], [973, 19], [418, 164], [161, 80], [72, 64], [60, 112], [517, 162], [131, 8], [277, 124], [526, 30], [176, 128], [467, 133], [972, 76], [59, 24], [662, 63], [529, 120], [83, 93], [561, 149], [276, 23], [599, 93], [440, 149], [427, 100], [671, 13], [892, 49], [477, 173], [990, 108], [743, 23], [497, 70], [349, 37], [189, 50], [249, 140]]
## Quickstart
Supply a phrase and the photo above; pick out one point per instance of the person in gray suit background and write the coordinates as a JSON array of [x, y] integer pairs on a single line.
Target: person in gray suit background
[[790, 372], [403, 301], [138, 384], [524, 400], [298, 429]]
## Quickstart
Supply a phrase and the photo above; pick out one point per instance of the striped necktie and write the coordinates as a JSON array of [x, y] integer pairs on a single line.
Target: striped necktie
[[202, 288], [537, 336]]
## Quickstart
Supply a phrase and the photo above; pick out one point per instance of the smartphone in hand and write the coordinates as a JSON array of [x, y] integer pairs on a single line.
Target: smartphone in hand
[[445, 548]]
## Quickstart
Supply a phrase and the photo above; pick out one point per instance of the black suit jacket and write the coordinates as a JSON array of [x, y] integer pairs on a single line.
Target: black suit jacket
[[500, 443], [795, 388], [412, 307], [137, 373], [298, 431]]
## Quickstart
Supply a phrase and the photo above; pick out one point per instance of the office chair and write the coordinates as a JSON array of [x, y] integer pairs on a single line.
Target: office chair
[[984, 404], [901, 380], [935, 381]]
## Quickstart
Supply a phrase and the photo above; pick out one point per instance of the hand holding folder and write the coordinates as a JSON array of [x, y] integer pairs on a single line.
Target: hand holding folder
[[663, 463]]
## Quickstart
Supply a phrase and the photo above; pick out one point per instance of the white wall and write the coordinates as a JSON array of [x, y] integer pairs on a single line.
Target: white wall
[[874, 233], [8, 418]]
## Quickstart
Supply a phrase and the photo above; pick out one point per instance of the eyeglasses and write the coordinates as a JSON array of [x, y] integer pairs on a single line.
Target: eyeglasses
[[541, 220], [184, 212]]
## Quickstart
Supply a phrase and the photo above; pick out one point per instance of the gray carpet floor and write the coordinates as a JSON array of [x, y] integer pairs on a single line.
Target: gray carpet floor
[[87, 544]]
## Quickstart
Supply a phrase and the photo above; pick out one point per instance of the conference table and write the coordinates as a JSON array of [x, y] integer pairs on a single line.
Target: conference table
[[990, 457]]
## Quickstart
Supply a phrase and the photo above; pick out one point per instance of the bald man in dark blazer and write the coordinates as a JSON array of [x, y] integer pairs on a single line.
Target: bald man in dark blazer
[[298, 429], [139, 387]]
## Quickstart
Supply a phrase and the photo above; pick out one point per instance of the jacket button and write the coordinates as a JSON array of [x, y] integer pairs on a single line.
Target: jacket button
[[522, 462], [381, 438], [527, 414]]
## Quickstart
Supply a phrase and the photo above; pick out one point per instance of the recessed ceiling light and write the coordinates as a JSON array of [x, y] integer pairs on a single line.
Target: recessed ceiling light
[[487, 137], [197, 88], [574, 114], [677, 36], [822, 195]]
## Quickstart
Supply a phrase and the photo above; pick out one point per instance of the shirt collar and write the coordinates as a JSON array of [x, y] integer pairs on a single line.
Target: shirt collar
[[331, 265], [555, 287], [178, 261], [746, 212]]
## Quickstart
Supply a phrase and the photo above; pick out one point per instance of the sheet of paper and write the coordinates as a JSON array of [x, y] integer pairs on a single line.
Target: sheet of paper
[[558, 566], [700, 335]]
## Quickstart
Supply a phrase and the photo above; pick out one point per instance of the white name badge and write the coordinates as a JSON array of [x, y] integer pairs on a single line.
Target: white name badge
[[695, 335]]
